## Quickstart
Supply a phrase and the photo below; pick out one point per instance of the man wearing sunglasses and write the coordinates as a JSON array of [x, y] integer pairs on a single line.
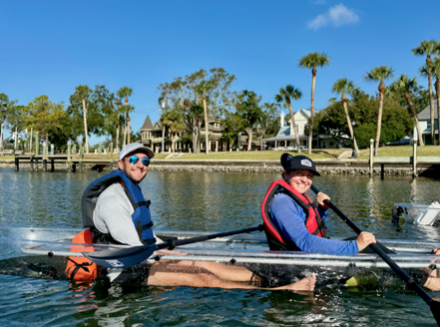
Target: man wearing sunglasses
[[113, 215]]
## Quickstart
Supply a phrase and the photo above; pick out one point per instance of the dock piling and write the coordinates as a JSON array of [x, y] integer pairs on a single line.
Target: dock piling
[[37, 146], [415, 158], [81, 156], [371, 161], [17, 165]]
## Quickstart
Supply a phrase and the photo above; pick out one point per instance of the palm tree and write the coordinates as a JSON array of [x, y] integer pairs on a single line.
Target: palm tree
[[125, 92], [313, 60], [285, 95], [404, 87], [343, 86], [117, 120], [379, 74], [436, 73], [248, 106], [203, 88], [429, 48], [84, 91], [125, 109], [173, 119], [197, 112]]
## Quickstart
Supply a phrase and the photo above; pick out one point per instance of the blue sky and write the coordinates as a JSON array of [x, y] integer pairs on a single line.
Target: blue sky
[[50, 47]]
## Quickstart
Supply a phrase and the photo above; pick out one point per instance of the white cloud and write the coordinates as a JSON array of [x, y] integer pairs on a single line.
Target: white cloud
[[336, 16]]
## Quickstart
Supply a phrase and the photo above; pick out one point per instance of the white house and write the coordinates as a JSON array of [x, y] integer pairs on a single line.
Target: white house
[[285, 139], [425, 124]]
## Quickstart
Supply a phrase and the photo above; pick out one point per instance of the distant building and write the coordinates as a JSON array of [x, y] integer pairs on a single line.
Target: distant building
[[425, 124], [152, 137], [285, 139]]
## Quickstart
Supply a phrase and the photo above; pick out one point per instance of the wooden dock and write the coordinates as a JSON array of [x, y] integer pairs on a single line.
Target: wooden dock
[[72, 161]]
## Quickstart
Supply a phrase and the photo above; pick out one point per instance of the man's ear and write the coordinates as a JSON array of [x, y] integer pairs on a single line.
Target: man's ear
[[121, 164]]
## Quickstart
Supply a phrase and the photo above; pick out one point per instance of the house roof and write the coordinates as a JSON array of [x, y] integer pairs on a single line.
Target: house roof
[[156, 127], [147, 124], [306, 113], [425, 114]]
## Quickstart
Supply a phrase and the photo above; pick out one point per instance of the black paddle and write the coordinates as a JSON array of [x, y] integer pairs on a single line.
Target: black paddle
[[410, 282], [130, 256]]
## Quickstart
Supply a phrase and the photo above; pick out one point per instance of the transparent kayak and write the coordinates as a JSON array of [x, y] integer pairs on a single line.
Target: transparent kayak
[[50, 248]]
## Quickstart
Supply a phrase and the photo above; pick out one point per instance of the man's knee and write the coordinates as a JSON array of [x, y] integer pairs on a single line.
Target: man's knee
[[208, 279]]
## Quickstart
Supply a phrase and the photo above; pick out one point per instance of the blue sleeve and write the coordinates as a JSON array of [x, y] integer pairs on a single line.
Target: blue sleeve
[[290, 222], [322, 213]]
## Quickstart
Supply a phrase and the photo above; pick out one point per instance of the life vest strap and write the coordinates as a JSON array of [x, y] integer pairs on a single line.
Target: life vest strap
[[149, 241], [78, 266], [149, 225], [142, 203]]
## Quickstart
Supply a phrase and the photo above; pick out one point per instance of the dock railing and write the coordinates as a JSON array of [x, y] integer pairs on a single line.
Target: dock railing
[[71, 158]]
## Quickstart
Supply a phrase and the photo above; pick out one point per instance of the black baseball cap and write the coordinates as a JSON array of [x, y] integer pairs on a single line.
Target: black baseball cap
[[290, 162]]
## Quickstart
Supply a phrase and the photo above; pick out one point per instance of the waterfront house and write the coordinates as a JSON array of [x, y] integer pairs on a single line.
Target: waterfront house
[[425, 124], [285, 139], [152, 137]]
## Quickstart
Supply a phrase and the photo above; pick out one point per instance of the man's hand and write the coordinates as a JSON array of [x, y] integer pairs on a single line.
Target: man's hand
[[321, 198], [436, 251], [364, 239]]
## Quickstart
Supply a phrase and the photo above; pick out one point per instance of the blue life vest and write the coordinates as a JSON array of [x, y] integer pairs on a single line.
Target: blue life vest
[[141, 216]]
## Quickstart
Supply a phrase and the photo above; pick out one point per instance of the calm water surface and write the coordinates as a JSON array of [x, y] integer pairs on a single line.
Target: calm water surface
[[211, 202]]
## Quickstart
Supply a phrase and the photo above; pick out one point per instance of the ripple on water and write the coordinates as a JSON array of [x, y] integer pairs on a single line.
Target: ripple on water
[[206, 201]]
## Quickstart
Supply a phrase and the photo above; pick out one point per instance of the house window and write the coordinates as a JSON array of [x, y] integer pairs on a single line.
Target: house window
[[429, 124]]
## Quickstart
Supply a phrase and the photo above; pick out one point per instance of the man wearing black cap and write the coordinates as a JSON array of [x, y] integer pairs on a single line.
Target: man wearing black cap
[[292, 222]]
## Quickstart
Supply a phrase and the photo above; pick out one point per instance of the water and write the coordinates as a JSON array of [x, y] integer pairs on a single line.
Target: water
[[212, 202]]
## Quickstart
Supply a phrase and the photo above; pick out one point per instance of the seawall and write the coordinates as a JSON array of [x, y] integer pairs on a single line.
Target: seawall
[[327, 167]]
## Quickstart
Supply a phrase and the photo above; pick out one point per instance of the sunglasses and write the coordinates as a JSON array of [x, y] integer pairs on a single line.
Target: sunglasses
[[133, 160]]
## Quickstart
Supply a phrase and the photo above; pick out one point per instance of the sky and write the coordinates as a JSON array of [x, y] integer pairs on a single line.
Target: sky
[[50, 47]]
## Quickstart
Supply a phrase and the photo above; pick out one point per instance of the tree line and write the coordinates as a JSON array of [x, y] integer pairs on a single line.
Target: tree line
[[98, 111], [189, 100]]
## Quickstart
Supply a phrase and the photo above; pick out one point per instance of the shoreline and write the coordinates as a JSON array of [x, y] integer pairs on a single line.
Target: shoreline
[[324, 166]]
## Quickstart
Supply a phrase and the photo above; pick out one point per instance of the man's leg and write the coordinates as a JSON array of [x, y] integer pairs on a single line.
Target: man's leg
[[173, 274], [224, 272]]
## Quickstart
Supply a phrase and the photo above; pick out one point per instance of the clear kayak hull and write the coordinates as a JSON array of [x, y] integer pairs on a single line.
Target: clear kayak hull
[[245, 250]]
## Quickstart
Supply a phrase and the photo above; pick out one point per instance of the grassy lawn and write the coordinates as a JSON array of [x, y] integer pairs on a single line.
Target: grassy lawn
[[255, 155], [234, 155], [403, 151]]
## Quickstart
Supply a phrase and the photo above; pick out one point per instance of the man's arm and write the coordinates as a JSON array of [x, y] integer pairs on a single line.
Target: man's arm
[[292, 227]]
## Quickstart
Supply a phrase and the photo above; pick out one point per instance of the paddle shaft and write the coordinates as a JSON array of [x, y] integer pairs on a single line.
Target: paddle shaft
[[408, 280], [171, 244]]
